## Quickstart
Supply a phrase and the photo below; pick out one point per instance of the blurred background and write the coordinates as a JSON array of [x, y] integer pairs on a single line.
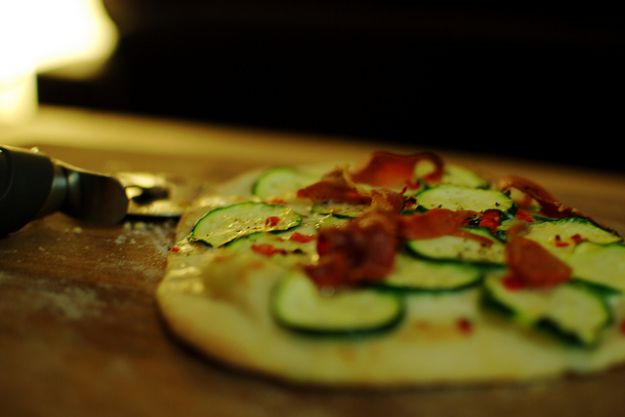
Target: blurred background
[[528, 80]]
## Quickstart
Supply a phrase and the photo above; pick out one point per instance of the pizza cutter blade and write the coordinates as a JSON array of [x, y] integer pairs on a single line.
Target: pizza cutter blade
[[33, 185]]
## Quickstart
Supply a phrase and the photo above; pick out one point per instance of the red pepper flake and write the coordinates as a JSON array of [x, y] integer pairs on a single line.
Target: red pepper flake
[[272, 221], [577, 238], [491, 219], [513, 283], [464, 326], [175, 249], [278, 201], [622, 327], [302, 238], [524, 216], [267, 250], [560, 243]]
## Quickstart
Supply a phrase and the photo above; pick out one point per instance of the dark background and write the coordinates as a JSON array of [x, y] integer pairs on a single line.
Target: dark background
[[532, 81]]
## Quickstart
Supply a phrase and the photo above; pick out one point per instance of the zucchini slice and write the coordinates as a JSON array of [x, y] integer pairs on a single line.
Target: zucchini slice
[[558, 235], [299, 306], [599, 264], [453, 248], [225, 224], [572, 312], [456, 175], [457, 198], [339, 210], [412, 275], [280, 181]]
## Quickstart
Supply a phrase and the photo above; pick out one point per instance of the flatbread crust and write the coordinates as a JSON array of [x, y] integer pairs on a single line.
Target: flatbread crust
[[219, 304]]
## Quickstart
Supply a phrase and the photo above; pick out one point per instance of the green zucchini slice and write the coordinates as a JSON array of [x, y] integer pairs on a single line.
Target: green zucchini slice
[[457, 198], [225, 224], [599, 264], [280, 181], [298, 305], [557, 235], [412, 275], [454, 248], [456, 175], [572, 312]]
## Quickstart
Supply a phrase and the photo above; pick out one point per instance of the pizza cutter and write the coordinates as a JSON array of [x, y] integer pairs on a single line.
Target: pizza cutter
[[33, 185]]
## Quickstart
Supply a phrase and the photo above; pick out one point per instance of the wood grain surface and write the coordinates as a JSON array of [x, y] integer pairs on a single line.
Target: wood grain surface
[[80, 334]]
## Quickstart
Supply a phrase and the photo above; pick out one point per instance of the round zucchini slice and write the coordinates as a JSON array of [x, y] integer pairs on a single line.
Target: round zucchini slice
[[571, 312], [222, 225], [419, 276], [280, 181], [457, 198], [561, 236], [454, 248], [298, 305]]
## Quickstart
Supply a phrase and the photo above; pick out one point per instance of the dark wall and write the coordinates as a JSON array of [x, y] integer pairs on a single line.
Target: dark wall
[[523, 81]]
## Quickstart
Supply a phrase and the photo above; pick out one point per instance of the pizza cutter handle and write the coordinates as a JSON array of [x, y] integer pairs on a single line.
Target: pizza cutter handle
[[33, 185]]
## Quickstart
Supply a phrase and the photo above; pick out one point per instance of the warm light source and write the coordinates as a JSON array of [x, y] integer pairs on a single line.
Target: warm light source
[[38, 35]]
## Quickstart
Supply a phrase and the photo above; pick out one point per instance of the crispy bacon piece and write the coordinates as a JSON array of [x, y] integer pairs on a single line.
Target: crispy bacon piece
[[267, 250], [531, 265], [434, 223], [440, 222], [387, 169], [549, 205], [491, 219], [387, 200], [302, 238], [362, 250], [334, 186]]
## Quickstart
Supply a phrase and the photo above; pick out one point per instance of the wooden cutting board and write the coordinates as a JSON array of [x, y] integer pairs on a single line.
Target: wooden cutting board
[[80, 334]]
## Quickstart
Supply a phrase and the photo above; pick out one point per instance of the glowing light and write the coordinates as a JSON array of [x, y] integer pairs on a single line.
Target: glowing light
[[37, 35]]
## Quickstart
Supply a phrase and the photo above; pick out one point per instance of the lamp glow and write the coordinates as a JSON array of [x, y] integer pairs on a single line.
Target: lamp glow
[[38, 35]]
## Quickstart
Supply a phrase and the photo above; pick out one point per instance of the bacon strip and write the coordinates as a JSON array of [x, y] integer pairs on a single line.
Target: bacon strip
[[434, 223], [531, 265], [336, 187], [549, 205], [363, 250], [387, 169]]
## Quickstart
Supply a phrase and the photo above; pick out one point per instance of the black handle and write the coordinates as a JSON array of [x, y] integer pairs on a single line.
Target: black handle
[[33, 185]]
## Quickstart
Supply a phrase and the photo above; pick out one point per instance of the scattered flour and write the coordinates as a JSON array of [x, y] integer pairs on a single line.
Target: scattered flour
[[73, 303]]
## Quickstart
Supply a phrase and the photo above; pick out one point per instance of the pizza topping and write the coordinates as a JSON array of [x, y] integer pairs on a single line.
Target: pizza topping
[[532, 264], [491, 219], [363, 250], [549, 205], [412, 275], [572, 312], [223, 225], [335, 186], [622, 327], [434, 223], [301, 238], [560, 243], [464, 326], [275, 183], [297, 304], [267, 249], [524, 216], [458, 198], [440, 222], [387, 201], [577, 238], [272, 221], [387, 169]]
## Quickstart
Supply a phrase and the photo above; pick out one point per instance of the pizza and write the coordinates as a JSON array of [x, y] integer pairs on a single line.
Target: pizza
[[399, 270]]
